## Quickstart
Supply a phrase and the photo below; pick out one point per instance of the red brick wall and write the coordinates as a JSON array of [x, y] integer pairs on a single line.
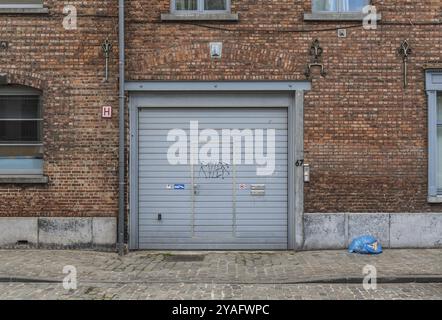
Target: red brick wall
[[365, 136], [80, 148]]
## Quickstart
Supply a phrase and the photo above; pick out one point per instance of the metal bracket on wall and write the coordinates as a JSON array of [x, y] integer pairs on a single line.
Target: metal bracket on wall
[[316, 55], [404, 51], [107, 47]]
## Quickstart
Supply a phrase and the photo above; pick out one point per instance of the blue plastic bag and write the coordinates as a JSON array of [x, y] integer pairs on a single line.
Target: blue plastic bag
[[365, 245]]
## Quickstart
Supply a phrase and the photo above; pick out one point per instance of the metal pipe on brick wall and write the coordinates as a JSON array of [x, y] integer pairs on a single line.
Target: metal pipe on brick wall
[[121, 166]]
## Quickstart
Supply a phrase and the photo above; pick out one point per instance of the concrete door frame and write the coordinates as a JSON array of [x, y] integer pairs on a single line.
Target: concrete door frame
[[289, 94]]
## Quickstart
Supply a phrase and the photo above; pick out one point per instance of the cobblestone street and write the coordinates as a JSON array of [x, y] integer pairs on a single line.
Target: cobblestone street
[[402, 274], [206, 291]]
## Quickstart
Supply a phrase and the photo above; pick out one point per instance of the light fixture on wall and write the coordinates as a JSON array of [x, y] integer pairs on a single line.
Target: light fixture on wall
[[106, 47], [404, 51], [316, 56]]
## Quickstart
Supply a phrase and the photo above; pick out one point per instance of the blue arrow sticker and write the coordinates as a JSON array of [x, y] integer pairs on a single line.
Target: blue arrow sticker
[[179, 187]]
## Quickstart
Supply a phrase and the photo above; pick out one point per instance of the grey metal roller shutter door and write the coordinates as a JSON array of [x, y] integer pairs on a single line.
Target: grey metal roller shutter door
[[200, 210]]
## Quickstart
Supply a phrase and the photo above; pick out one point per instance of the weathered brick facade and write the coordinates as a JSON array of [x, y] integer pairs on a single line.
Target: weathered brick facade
[[80, 149], [365, 135]]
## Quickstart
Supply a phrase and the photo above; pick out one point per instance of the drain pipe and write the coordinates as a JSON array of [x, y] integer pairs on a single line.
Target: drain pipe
[[122, 131]]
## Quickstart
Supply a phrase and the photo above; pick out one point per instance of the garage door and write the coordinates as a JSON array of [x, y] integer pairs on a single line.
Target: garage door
[[195, 192]]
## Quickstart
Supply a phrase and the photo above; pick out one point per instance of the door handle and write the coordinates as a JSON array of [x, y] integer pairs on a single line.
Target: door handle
[[195, 189]]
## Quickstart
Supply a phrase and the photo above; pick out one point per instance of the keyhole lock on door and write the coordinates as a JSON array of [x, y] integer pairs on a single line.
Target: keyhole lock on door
[[195, 189], [160, 217]]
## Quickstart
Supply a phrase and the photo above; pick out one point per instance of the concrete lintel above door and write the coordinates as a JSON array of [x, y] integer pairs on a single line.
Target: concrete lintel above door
[[217, 86]]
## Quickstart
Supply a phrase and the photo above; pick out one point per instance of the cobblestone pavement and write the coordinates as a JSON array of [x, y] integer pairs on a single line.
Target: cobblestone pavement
[[205, 291], [220, 275]]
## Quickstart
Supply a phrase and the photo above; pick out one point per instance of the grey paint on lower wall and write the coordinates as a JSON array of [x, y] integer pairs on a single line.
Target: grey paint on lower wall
[[13, 230], [395, 230], [45, 232], [322, 231]]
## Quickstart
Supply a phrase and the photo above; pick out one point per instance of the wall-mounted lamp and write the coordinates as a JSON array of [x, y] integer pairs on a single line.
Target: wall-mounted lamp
[[404, 51], [106, 47], [316, 55]]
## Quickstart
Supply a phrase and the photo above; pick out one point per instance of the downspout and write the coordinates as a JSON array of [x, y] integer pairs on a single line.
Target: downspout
[[122, 131]]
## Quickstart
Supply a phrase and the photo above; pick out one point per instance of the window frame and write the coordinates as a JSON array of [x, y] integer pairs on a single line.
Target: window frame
[[434, 92], [24, 4], [339, 9], [200, 9], [24, 91]]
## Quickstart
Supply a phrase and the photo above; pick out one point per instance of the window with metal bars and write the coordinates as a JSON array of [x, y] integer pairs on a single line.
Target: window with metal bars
[[21, 122]]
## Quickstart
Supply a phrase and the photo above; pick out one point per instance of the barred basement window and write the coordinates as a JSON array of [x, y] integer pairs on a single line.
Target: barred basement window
[[26, 4], [21, 147], [200, 6], [339, 5]]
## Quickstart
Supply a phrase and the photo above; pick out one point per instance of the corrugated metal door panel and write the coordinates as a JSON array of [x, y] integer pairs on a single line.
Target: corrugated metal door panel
[[209, 211]]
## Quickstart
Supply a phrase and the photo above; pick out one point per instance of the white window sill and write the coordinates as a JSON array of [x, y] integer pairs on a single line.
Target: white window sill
[[23, 179], [435, 199], [24, 10], [199, 17], [336, 16]]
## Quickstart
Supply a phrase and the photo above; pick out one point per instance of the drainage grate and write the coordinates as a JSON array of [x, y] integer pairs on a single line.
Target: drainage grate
[[184, 257]]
